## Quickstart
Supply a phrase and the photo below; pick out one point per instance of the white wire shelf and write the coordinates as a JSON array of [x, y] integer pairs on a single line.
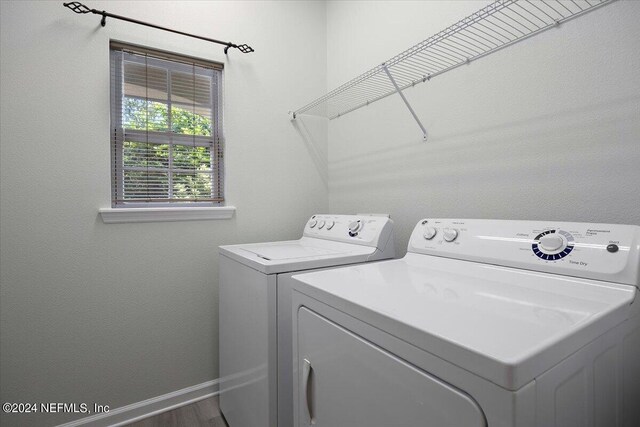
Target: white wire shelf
[[490, 29]]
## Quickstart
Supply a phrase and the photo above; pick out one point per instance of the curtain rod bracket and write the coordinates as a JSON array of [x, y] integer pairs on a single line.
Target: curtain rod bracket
[[80, 8]]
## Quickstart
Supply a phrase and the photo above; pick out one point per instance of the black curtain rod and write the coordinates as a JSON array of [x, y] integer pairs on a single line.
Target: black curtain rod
[[78, 7]]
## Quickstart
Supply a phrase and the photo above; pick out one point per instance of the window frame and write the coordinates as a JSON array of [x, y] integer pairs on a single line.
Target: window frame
[[215, 142]]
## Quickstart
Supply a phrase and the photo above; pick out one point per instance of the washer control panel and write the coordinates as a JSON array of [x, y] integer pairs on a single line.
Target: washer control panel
[[362, 229], [599, 251]]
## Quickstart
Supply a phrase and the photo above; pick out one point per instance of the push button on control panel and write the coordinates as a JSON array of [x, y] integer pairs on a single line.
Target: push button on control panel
[[330, 225], [312, 223], [320, 225], [613, 248]]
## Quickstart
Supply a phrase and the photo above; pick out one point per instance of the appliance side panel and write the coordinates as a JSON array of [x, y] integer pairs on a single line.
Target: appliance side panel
[[524, 406], [285, 349], [595, 386], [296, 304], [631, 371], [246, 302], [272, 343], [386, 247]]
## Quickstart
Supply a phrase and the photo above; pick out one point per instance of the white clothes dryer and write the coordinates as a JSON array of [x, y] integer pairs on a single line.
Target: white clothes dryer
[[482, 323], [256, 387]]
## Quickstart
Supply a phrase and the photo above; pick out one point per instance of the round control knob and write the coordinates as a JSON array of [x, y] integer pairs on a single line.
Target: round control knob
[[430, 232], [450, 234], [355, 226], [320, 225], [551, 242], [330, 225], [312, 223]]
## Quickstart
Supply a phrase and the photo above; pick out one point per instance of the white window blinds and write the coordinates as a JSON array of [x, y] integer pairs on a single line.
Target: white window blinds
[[166, 142]]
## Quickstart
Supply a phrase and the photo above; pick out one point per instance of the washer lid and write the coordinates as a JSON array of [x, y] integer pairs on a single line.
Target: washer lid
[[286, 250], [296, 255], [504, 324]]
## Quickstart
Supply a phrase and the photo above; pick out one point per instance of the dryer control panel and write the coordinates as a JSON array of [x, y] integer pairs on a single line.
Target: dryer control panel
[[608, 252], [363, 229]]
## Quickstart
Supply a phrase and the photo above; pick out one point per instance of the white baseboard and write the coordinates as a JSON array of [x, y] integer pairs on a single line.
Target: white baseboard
[[156, 405]]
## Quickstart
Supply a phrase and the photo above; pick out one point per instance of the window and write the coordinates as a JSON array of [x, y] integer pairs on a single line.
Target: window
[[166, 142]]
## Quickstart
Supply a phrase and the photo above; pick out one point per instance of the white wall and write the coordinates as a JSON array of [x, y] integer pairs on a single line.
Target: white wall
[[115, 314], [546, 129]]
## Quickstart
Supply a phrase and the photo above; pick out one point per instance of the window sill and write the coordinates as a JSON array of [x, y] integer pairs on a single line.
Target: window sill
[[122, 215]]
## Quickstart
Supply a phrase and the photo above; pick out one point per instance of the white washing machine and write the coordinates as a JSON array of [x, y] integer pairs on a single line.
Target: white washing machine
[[482, 323], [255, 310]]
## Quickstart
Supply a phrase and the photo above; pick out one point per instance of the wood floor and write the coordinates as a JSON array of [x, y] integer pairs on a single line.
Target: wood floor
[[203, 413]]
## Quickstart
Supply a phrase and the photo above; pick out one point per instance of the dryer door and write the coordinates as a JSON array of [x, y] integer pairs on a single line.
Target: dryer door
[[345, 381]]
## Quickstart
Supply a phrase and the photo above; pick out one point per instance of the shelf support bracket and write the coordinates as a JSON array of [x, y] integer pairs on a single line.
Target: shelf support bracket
[[413, 113]]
